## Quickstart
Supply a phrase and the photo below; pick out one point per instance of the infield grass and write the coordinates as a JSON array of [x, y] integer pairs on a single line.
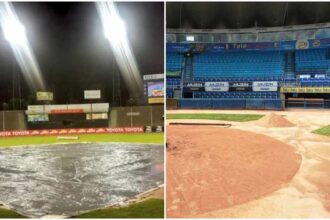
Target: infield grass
[[323, 131], [150, 208], [213, 116], [4, 213], [157, 138]]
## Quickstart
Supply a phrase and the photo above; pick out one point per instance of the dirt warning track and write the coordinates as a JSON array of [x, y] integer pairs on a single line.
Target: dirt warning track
[[211, 168]]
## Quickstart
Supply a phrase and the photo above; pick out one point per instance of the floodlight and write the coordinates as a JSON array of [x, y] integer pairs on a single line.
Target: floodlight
[[14, 31], [115, 30], [190, 38]]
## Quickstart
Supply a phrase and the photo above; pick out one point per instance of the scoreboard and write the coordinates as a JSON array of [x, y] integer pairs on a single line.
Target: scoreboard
[[154, 88]]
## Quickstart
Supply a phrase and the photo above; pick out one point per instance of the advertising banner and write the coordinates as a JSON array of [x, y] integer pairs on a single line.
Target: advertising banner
[[96, 116], [100, 107], [35, 109], [92, 94], [155, 89], [156, 100], [216, 86], [270, 86], [240, 86], [305, 90], [153, 76], [38, 118], [178, 47], [45, 96], [71, 131], [173, 73], [193, 86]]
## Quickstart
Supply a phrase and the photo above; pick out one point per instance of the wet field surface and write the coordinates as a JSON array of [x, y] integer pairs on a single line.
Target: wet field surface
[[67, 179]]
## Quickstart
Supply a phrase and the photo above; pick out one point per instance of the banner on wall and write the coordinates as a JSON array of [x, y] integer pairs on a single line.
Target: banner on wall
[[276, 45], [71, 131], [240, 86], [92, 94], [216, 86], [302, 44], [305, 90], [44, 96], [193, 86], [267, 86]]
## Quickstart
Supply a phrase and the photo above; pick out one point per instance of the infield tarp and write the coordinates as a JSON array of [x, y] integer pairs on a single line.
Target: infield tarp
[[68, 179]]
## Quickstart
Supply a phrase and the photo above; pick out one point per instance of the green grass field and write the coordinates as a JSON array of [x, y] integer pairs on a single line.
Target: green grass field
[[157, 138], [151, 208], [212, 116], [4, 213], [323, 131]]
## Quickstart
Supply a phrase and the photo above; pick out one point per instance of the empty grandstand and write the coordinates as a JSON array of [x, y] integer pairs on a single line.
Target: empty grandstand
[[251, 68]]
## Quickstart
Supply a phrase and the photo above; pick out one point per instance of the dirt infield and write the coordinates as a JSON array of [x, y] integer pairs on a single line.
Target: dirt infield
[[211, 168], [307, 195]]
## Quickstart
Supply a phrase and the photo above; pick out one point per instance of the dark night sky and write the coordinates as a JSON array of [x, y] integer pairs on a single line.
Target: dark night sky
[[70, 47]]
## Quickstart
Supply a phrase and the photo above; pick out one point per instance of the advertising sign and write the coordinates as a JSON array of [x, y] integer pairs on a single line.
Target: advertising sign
[[302, 44], [240, 86], [71, 131], [193, 86], [155, 89], [216, 86], [153, 76], [305, 89], [270, 86], [35, 109], [96, 116], [44, 96], [92, 94], [38, 118], [156, 100], [100, 107]]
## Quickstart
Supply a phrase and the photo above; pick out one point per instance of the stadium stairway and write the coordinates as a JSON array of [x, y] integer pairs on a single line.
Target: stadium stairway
[[289, 65], [188, 69]]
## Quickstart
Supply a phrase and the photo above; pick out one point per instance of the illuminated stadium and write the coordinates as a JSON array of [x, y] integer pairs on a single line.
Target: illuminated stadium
[[246, 67]]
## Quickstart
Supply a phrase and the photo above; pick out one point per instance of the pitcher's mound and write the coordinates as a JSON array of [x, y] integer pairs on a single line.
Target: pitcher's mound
[[275, 121], [211, 168]]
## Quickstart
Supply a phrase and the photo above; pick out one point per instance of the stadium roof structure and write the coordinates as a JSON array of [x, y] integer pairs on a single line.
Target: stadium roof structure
[[233, 15]]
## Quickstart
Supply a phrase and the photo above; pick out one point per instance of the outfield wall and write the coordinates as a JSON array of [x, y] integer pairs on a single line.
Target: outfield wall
[[12, 120], [137, 116], [271, 104]]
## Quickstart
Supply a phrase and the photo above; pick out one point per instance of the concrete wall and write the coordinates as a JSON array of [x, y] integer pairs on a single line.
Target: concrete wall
[[12, 120], [137, 116]]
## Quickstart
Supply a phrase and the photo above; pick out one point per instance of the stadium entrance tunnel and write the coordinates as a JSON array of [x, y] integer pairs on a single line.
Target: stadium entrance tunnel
[[68, 179]]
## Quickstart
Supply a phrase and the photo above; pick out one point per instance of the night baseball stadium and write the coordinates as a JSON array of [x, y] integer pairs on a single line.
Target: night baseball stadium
[[248, 100], [82, 109]]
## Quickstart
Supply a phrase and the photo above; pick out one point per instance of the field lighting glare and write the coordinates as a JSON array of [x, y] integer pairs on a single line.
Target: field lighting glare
[[114, 30], [14, 32], [117, 31]]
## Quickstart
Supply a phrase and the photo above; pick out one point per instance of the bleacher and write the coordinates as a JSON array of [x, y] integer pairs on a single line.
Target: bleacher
[[171, 84], [310, 60], [174, 61], [236, 65]]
